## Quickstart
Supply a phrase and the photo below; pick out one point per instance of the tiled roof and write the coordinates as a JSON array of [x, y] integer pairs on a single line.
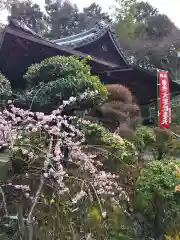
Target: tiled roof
[[84, 38], [20, 25], [90, 36]]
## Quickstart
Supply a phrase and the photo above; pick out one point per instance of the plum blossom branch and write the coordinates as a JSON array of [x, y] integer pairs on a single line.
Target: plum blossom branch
[[61, 146], [4, 202], [42, 180]]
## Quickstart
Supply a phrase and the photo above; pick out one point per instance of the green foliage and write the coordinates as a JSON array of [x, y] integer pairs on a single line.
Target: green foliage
[[160, 147], [56, 79], [54, 68], [132, 17], [167, 144], [156, 197], [65, 19], [58, 18], [173, 146], [139, 24], [29, 12], [117, 148], [143, 10], [162, 143], [5, 90], [158, 179], [175, 110], [174, 237], [145, 137]]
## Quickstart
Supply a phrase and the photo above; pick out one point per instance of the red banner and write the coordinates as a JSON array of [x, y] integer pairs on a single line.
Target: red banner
[[165, 101]]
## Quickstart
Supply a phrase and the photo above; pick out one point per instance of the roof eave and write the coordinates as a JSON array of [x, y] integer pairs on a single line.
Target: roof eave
[[116, 43], [47, 43]]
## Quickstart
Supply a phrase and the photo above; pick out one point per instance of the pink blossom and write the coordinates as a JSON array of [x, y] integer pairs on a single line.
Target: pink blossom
[[16, 123]]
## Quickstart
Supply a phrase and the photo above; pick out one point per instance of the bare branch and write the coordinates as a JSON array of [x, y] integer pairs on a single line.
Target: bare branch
[[4, 202]]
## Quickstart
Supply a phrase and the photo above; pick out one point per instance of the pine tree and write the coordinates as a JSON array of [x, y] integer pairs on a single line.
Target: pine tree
[[119, 113], [29, 13]]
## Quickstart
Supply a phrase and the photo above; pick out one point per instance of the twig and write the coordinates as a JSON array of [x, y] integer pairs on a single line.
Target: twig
[[88, 182], [73, 232], [21, 221], [4, 202], [29, 219], [36, 199], [14, 236], [42, 180], [99, 201]]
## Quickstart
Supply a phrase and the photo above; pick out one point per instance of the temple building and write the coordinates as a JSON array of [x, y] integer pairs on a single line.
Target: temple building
[[20, 47]]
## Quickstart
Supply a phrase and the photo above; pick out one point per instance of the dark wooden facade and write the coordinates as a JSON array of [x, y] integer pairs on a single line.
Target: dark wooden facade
[[20, 47]]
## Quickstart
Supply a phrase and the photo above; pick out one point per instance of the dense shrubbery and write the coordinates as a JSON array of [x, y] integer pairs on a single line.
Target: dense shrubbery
[[145, 138], [108, 144], [74, 178], [161, 143], [156, 203], [157, 199], [53, 168]]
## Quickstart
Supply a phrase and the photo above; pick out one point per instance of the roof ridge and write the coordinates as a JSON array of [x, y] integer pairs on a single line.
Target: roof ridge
[[100, 28], [21, 25], [73, 36], [117, 44], [87, 37]]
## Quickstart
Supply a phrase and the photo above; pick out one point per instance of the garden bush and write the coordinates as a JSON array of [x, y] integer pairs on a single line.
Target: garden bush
[[157, 199], [119, 113], [161, 143], [57, 187], [55, 80], [111, 145], [167, 145], [145, 138], [173, 145], [72, 178], [160, 147]]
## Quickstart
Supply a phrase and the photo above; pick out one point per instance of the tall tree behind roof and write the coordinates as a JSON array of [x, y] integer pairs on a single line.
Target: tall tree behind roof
[[131, 17], [149, 37], [28, 12], [93, 14], [62, 18], [144, 10], [65, 19]]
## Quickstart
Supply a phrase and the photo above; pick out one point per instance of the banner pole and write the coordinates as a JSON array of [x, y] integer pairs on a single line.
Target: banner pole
[[158, 113]]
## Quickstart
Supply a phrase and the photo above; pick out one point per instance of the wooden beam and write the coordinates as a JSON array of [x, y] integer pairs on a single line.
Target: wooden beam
[[116, 70]]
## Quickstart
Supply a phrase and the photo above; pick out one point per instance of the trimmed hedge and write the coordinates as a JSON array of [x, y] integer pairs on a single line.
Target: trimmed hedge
[[56, 79]]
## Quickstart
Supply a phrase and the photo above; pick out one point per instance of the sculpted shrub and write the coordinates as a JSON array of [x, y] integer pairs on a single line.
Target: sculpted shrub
[[119, 113], [55, 80]]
